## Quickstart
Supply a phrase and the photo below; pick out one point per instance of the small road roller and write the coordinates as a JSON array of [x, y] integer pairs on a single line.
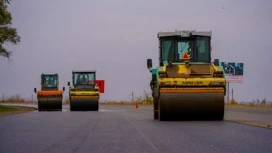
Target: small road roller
[[84, 93], [49, 96]]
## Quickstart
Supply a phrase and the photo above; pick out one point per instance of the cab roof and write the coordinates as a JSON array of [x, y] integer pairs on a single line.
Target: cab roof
[[84, 71], [184, 33], [43, 74]]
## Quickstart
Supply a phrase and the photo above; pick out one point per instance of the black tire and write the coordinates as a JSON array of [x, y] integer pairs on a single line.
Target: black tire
[[71, 108], [97, 107], [155, 104], [155, 109], [219, 116], [161, 114], [40, 107]]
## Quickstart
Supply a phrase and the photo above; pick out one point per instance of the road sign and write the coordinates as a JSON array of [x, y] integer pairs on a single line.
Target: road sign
[[234, 71], [101, 84]]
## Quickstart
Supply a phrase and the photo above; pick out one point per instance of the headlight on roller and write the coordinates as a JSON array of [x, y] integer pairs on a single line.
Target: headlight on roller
[[165, 83]]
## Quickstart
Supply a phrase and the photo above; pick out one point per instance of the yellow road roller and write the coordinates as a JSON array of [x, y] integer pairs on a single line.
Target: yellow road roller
[[187, 85], [84, 93]]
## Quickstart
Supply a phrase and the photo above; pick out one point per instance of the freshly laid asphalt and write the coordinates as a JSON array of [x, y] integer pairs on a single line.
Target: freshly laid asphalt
[[116, 129]]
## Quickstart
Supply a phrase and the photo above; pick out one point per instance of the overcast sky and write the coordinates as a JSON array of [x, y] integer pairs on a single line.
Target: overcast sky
[[116, 37]]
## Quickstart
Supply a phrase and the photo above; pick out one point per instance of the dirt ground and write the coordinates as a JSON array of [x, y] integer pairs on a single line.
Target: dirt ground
[[12, 110]]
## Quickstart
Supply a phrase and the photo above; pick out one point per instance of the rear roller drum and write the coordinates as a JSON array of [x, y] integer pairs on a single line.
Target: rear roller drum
[[84, 105], [155, 95], [49, 104], [155, 108]]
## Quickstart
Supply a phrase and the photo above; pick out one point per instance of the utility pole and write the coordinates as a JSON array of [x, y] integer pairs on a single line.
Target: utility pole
[[32, 98], [232, 94], [132, 97], [3, 96], [228, 93]]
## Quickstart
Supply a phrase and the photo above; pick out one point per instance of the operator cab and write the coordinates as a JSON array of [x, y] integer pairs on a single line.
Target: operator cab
[[84, 79], [174, 45], [49, 82]]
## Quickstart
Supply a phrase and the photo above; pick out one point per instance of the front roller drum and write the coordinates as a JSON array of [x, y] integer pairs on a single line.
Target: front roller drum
[[191, 106], [49, 103], [155, 96], [84, 104], [155, 109]]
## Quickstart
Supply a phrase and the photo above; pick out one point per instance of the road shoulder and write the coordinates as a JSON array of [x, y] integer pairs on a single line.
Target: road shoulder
[[254, 116], [13, 110]]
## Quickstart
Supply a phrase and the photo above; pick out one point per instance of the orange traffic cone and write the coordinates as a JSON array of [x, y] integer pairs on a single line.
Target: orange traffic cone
[[136, 105]]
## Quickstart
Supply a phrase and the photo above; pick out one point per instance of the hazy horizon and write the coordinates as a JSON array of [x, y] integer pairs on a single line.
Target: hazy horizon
[[116, 38]]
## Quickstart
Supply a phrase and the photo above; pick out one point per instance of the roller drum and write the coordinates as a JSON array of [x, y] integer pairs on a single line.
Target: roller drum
[[155, 95], [187, 106], [50, 103], [78, 104], [155, 108]]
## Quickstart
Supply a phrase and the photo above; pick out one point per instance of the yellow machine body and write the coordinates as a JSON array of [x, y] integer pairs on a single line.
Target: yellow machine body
[[188, 86], [84, 96]]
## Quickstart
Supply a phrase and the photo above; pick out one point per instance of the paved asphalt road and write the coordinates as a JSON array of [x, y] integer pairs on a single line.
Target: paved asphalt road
[[116, 129]]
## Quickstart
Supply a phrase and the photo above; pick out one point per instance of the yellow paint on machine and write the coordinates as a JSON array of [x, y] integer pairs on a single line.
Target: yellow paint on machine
[[192, 90], [192, 81], [85, 97], [182, 68], [84, 93]]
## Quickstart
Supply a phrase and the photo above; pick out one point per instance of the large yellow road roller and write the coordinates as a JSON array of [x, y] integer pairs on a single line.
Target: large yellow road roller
[[187, 85]]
